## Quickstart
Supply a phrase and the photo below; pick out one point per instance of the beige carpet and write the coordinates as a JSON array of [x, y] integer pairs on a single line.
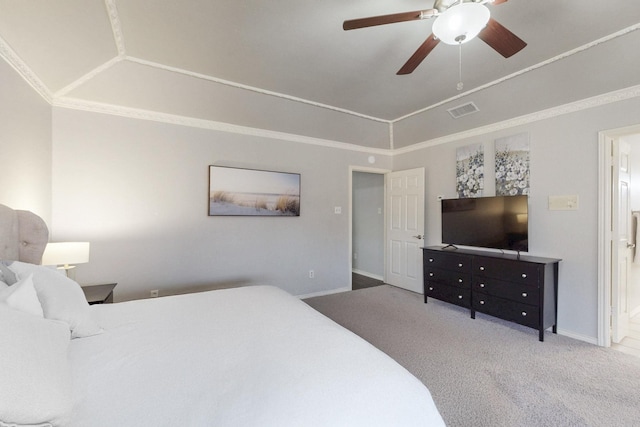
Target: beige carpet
[[487, 372]]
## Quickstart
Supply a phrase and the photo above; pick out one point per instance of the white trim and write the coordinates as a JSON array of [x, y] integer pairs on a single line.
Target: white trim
[[605, 159], [323, 293], [27, 74], [604, 240], [116, 26], [584, 104], [82, 80], [526, 70], [585, 338], [595, 101], [252, 88], [96, 107]]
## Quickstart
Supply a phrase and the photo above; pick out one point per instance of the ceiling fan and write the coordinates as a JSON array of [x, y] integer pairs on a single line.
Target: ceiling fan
[[457, 22]]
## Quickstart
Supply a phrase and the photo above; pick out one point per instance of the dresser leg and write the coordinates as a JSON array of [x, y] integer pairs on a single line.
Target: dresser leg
[[541, 335], [473, 313]]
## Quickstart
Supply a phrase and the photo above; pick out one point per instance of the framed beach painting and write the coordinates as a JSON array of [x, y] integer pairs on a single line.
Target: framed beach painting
[[252, 192]]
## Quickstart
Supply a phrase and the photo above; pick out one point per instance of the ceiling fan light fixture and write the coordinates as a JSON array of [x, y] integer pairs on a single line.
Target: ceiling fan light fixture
[[461, 23]]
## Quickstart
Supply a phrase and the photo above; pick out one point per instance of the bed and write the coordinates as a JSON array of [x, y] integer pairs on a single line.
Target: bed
[[249, 356]]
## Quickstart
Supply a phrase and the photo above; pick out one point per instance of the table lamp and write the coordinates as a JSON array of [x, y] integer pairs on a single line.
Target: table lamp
[[64, 254]]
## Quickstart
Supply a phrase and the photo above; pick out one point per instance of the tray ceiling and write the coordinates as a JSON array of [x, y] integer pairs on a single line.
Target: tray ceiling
[[254, 63]]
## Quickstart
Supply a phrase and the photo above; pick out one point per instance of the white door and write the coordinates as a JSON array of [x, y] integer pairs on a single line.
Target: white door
[[622, 248], [405, 228]]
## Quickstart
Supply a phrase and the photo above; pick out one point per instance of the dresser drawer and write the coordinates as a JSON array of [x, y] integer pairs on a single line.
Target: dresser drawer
[[507, 270], [524, 314], [450, 294], [447, 261], [448, 277], [512, 291]]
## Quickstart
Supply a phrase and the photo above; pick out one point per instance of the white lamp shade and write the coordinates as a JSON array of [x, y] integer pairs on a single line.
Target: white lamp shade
[[65, 253], [461, 23]]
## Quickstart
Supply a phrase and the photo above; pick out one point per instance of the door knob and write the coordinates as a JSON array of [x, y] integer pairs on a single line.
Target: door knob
[[419, 236]]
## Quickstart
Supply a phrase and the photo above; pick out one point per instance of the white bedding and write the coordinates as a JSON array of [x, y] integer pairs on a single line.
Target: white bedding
[[252, 356]]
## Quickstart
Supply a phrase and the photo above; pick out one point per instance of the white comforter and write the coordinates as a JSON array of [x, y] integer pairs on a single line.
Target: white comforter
[[252, 356]]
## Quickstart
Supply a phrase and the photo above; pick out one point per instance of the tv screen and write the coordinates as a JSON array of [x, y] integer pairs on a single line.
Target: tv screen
[[499, 222]]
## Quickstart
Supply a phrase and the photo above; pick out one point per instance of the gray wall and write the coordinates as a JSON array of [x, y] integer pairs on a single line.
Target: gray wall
[[137, 190], [368, 224], [564, 161], [25, 145]]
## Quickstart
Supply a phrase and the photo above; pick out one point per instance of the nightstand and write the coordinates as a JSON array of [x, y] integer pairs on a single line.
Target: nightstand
[[99, 294]]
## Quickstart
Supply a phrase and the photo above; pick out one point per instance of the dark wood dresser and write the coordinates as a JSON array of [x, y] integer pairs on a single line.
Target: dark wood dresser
[[521, 289]]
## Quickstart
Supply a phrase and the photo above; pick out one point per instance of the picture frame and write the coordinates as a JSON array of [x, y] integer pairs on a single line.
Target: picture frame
[[253, 192]]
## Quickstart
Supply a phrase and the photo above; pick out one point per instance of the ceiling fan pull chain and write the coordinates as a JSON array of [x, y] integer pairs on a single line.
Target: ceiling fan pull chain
[[460, 85]]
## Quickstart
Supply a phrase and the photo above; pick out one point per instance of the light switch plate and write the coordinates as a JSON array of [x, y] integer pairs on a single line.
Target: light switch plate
[[563, 203]]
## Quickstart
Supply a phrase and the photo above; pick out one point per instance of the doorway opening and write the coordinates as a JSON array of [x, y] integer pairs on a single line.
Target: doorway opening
[[366, 226], [618, 251]]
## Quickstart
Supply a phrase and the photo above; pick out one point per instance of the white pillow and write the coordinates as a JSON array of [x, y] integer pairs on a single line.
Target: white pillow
[[61, 298], [35, 375], [22, 296]]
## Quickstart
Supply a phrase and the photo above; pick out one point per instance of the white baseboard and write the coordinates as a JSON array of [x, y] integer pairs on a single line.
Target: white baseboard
[[570, 334], [323, 293], [367, 274]]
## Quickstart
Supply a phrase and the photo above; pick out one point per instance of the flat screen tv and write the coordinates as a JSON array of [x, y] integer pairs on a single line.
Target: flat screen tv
[[500, 222]]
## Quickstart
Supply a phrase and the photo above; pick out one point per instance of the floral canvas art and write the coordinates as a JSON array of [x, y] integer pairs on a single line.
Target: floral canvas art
[[470, 171], [512, 165]]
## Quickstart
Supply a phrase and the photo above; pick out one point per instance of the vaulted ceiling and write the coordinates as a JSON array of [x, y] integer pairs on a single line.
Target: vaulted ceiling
[[287, 65]]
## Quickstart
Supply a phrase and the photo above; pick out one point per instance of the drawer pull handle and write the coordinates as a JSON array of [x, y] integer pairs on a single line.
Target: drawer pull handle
[[460, 265], [524, 314], [430, 259], [459, 296], [482, 285], [430, 274], [459, 280], [524, 294], [430, 288], [481, 268], [481, 302], [524, 276]]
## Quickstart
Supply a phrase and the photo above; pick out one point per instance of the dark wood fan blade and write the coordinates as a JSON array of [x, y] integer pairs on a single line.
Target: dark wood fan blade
[[388, 19], [419, 55], [500, 39]]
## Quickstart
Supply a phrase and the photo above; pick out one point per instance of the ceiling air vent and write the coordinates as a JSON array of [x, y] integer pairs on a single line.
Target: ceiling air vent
[[463, 110]]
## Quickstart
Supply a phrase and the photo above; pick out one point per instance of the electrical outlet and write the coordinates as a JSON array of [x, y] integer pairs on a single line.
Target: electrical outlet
[[154, 293], [311, 274], [337, 210], [355, 255]]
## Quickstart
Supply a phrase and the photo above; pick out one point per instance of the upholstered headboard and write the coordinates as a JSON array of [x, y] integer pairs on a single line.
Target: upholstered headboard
[[23, 235]]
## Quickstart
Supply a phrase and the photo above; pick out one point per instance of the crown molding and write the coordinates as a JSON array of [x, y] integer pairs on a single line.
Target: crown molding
[[252, 88], [584, 104], [116, 26], [90, 75], [23, 70], [593, 102], [534, 67], [140, 114]]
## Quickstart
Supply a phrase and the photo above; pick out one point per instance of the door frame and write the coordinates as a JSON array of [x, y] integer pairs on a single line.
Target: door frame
[[377, 171], [605, 238]]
